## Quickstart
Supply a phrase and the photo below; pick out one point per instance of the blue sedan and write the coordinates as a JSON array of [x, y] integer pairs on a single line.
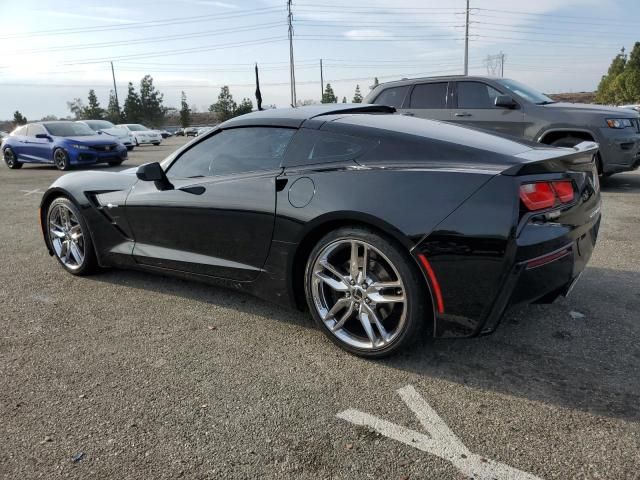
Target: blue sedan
[[63, 144]]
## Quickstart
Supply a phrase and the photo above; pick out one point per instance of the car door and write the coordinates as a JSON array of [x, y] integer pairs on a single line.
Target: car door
[[38, 149], [218, 218], [428, 100], [474, 105]]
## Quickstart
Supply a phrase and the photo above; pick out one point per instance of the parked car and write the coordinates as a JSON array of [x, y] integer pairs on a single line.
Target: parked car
[[191, 131], [509, 107], [61, 143], [380, 224], [142, 134], [164, 133], [3, 135], [203, 130], [104, 126], [179, 132], [631, 107]]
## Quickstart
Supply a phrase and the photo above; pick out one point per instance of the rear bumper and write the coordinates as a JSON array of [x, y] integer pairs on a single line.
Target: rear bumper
[[544, 277]]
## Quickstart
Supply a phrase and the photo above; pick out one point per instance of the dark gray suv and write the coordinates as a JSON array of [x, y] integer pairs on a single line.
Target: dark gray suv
[[511, 108]]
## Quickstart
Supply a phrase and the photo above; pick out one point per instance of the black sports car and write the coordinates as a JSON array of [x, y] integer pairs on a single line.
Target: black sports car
[[378, 223]]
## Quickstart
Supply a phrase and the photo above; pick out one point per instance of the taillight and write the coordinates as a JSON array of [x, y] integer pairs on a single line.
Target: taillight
[[542, 195]]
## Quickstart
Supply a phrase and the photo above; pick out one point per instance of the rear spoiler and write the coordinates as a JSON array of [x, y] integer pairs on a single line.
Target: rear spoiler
[[581, 157]]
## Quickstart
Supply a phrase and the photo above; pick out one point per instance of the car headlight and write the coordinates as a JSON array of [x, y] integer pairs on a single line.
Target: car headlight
[[619, 122], [77, 146]]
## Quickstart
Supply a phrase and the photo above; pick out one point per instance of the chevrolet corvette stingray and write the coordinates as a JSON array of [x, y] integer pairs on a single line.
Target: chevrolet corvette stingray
[[381, 225]]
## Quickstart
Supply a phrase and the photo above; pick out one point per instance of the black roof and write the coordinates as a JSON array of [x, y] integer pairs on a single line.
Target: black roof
[[295, 117]]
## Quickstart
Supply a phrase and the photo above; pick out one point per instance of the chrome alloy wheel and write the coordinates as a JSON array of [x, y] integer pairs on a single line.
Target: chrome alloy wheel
[[9, 157], [60, 159], [359, 294], [66, 237]]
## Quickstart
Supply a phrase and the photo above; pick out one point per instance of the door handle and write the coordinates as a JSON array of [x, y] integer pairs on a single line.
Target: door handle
[[197, 190], [463, 114]]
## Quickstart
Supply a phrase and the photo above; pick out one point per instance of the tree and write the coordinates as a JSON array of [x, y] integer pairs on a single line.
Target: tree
[[185, 111], [344, 99], [328, 96], [151, 109], [131, 110], [303, 103], [77, 108], [225, 107], [93, 111], [357, 96], [18, 118], [246, 106], [606, 92], [48, 118], [113, 109]]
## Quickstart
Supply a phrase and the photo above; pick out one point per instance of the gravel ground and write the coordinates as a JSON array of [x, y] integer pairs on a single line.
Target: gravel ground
[[129, 375]]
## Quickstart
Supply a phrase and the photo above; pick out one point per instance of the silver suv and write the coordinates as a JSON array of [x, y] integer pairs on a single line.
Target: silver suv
[[509, 107]]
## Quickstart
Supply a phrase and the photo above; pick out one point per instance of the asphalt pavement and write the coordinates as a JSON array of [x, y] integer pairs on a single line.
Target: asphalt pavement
[[129, 375]]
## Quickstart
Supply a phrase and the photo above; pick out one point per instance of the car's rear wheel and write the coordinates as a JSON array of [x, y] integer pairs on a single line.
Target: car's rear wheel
[[69, 237], [10, 159], [364, 292], [61, 159]]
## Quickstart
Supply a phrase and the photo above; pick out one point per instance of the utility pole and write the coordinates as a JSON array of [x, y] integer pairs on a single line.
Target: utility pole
[[501, 64], [466, 42], [321, 81], [115, 89], [292, 72]]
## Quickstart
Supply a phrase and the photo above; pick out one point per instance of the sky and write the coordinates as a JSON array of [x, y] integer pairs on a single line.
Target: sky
[[54, 51]]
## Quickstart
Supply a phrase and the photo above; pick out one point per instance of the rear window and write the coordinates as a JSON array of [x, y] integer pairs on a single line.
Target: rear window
[[393, 97], [429, 95], [310, 147]]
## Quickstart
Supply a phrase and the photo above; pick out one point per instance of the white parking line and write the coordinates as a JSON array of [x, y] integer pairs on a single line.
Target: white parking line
[[31, 192], [440, 441]]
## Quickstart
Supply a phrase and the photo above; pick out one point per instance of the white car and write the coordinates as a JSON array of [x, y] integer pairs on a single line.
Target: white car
[[142, 134], [203, 130], [103, 126], [632, 107]]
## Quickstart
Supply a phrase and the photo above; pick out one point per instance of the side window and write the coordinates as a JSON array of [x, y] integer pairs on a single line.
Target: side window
[[231, 151], [34, 129], [476, 95], [311, 147], [393, 97], [429, 95]]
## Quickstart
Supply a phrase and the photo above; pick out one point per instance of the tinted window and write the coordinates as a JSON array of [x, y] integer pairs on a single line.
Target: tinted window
[[429, 95], [394, 97], [22, 131], [34, 130], [234, 151], [476, 95], [317, 146], [69, 129]]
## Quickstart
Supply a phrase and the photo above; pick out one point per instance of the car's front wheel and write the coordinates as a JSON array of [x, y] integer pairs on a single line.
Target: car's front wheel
[[61, 159], [129, 148], [364, 292], [10, 159], [69, 237]]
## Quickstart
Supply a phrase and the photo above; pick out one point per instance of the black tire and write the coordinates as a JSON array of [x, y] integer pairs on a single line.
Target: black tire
[[417, 305], [89, 264], [156, 143], [10, 159], [137, 143], [116, 163], [130, 148], [567, 142], [61, 159]]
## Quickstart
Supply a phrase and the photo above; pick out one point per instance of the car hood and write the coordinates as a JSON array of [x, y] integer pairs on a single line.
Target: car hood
[[614, 112], [116, 132], [90, 140]]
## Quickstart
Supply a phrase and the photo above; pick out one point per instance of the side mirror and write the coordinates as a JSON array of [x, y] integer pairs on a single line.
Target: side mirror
[[152, 172], [100, 132], [43, 135], [505, 101]]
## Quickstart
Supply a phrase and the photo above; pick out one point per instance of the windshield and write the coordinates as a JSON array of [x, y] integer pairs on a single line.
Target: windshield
[[68, 129], [135, 127], [525, 92], [99, 124]]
